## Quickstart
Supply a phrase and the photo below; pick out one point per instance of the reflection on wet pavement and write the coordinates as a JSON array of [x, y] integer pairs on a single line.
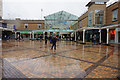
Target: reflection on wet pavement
[[34, 59]]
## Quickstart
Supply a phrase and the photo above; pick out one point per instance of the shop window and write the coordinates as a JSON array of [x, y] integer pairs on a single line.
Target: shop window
[[119, 37], [26, 26], [112, 34], [115, 12]]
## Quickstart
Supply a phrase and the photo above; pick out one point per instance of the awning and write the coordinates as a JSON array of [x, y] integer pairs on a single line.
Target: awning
[[38, 32], [29, 32], [24, 32]]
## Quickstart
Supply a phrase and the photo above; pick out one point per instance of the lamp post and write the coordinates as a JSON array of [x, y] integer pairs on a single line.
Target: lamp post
[[41, 13]]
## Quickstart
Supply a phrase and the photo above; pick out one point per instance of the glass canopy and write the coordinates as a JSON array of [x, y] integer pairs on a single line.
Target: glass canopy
[[60, 20]]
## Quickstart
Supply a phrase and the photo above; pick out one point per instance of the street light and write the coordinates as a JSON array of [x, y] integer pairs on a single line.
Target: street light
[[41, 13]]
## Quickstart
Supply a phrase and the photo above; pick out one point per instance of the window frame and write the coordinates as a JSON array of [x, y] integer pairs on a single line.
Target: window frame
[[115, 17], [39, 26], [25, 26], [99, 16]]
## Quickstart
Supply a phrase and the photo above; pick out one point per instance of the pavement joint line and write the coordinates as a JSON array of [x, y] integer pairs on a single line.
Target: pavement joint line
[[77, 59], [94, 66], [40, 56], [109, 66], [89, 62], [77, 49]]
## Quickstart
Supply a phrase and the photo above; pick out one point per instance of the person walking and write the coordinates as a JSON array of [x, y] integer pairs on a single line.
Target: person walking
[[50, 38], [54, 40], [94, 39], [18, 37], [5, 37], [22, 38], [46, 39], [37, 37], [41, 38]]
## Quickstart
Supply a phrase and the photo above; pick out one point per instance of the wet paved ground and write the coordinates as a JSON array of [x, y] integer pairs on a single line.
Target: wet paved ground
[[34, 59]]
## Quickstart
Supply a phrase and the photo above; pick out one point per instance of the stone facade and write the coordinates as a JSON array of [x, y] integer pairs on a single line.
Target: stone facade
[[20, 24], [97, 7], [83, 20]]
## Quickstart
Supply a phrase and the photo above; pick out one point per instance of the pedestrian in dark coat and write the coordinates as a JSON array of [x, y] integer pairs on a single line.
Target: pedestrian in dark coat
[[54, 40]]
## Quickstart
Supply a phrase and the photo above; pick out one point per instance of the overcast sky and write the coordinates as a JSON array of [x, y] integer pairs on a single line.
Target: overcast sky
[[31, 9]]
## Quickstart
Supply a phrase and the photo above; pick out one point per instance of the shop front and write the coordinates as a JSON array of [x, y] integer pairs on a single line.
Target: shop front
[[25, 34], [117, 35], [112, 36]]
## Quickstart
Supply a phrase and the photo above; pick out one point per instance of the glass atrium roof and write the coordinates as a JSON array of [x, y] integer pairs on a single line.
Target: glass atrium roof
[[60, 20]]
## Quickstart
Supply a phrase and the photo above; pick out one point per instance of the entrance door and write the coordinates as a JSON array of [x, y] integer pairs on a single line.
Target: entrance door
[[118, 37]]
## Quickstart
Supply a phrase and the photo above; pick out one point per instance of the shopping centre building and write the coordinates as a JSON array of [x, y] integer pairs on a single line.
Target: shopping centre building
[[100, 20]]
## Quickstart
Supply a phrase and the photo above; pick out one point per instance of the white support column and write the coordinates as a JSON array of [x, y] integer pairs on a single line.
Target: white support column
[[33, 35], [100, 36], [83, 35], [30, 35], [61, 36], [107, 35], [15, 35], [75, 36]]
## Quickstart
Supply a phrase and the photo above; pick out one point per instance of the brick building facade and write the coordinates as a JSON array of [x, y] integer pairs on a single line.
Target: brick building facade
[[100, 20], [25, 24]]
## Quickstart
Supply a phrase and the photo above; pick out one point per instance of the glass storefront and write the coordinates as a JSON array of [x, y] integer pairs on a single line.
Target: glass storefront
[[112, 36], [119, 37]]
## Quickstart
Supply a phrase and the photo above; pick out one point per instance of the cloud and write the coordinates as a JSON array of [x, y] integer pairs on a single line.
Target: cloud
[[32, 8]]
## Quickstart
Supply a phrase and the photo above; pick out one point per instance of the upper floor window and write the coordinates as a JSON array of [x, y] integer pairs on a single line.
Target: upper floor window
[[115, 13], [99, 2], [90, 18], [39, 26], [26, 26], [80, 23], [99, 17]]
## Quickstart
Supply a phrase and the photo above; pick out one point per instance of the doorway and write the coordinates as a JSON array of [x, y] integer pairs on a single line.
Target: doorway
[[118, 37]]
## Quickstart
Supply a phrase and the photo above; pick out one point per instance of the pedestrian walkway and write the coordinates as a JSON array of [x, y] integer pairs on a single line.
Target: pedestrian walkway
[[34, 59]]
